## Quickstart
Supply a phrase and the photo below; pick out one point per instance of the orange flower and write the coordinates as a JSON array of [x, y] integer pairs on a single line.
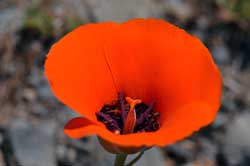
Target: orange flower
[[148, 59]]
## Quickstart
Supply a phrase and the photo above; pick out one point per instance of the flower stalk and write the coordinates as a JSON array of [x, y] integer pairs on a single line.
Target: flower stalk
[[135, 159], [120, 159]]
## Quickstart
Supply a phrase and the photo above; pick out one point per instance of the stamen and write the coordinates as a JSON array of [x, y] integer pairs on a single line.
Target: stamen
[[121, 99], [115, 112], [107, 119], [145, 114], [127, 115]]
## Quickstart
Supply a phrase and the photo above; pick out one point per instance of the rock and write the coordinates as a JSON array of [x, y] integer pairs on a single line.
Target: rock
[[208, 149], [199, 34], [10, 20], [221, 120], [153, 156], [45, 94], [100, 156], [27, 94], [2, 163], [237, 142], [36, 77], [85, 151], [181, 152], [221, 53], [180, 8], [40, 83], [203, 22], [1, 139], [33, 144], [202, 160], [40, 109], [120, 10]]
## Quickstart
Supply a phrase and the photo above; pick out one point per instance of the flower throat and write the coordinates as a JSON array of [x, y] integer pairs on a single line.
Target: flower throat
[[127, 115]]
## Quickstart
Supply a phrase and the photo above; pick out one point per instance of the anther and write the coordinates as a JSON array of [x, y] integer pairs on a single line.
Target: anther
[[144, 115], [127, 115], [122, 102], [108, 119]]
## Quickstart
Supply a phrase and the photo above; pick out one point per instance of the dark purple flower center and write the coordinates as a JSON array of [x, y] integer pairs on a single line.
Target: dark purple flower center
[[114, 116]]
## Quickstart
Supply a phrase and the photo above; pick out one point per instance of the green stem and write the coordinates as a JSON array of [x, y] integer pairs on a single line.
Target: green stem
[[120, 159], [135, 159]]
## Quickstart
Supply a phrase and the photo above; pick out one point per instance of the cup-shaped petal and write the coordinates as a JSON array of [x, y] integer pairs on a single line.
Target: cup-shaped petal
[[148, 59]]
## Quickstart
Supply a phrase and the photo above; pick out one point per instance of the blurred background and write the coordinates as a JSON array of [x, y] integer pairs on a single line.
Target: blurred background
[[32, 120]]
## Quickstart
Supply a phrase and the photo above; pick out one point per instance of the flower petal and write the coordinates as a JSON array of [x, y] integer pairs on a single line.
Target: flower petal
[[156, 61], [147, 59], [80, 127], [77, 70], [177, 126]]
